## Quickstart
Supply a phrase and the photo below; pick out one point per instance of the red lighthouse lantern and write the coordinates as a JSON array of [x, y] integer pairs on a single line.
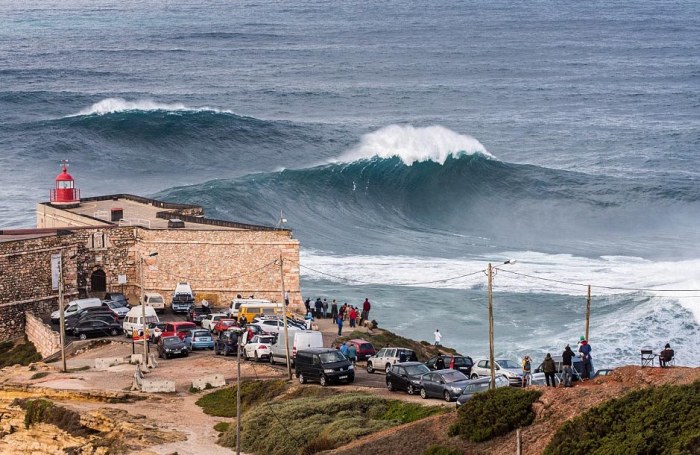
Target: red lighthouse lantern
[[65, 192]]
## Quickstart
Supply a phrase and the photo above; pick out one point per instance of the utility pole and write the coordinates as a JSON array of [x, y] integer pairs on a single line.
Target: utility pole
[[588, 310], [284, 308], [238, 394], [62, 325], [492, 360], [142, 262]]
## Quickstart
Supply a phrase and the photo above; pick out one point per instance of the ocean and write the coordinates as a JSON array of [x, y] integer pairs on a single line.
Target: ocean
[[407, 143]]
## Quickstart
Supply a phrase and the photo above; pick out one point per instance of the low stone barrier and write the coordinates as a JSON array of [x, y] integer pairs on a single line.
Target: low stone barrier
[[102, 364], [151, 385], [45, 339], [215, 380]]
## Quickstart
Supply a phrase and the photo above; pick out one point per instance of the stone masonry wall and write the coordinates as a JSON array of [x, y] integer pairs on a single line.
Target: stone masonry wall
[[44, 338], [12, 316]]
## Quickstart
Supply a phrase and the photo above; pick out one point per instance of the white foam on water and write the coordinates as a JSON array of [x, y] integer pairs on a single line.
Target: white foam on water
[[115, 105], [414, 144]]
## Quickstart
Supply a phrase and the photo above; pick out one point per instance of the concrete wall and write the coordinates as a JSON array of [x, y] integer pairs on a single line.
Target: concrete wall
[[49, 217], [45, 340]]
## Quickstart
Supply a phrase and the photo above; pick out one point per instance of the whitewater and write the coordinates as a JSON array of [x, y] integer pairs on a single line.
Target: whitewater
[[407, 144]]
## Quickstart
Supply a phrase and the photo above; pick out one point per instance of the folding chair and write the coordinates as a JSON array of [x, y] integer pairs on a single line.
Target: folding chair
[[648, 358]]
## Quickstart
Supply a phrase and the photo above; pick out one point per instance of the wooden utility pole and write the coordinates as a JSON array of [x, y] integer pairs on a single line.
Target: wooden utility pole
[[518, 443], [238, 393], [588, 310], [492, 359], [62, 325], [286, 334]]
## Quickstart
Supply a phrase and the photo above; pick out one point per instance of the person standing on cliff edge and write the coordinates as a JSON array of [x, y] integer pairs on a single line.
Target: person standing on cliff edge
[[438, 337], [365, 311]]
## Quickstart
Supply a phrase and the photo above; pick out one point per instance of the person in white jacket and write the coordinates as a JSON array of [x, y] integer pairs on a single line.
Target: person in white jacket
[[438, 337]]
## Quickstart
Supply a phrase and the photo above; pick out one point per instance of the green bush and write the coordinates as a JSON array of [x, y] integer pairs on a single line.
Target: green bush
[[662, 420], [313, 424], [495, 413], [44, 411], [22, 354], [39, 375], [382, 338], [441, 450], [222, 426], [222, 403]]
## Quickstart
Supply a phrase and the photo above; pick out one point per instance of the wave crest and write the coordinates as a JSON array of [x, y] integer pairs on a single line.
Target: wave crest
[[116, 105], [414, 144]]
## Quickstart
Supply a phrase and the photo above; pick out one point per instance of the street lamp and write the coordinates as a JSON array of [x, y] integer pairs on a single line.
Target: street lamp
[[492, 360], [143, 310]]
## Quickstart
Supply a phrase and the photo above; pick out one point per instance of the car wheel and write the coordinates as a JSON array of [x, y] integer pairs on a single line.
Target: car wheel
[[187, 353], [257, 359], [370, 368], [389, 386], [113, 332], [446, 396], [126, 334], [351, 379], [272, 359], [474, 376], [302, 379], [323, 380], [167, 356], [410, 390], [82, 336], [160, 356], [423, 394], [387, 367]]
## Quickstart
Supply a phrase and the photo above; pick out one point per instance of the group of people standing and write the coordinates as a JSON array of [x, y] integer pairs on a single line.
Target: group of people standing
[[549, 366], [339, 314]]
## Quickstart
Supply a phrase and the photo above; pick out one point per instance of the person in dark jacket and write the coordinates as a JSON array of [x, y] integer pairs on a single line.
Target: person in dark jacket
[[334, 310], [666, 355], [366, 306], [549, 368], [567, 357], [585, 349], [319, 308], [440, 363]]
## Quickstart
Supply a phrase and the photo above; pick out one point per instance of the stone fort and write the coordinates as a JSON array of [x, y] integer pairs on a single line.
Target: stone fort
[[104, 242]]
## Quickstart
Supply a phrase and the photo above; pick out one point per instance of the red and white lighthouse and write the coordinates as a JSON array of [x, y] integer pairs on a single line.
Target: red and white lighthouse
[[65, 192]]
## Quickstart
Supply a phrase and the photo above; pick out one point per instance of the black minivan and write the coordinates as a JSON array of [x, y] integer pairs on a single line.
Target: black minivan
[[323, 365]]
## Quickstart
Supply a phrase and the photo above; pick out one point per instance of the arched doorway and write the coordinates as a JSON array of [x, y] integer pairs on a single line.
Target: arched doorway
[[98, 281]]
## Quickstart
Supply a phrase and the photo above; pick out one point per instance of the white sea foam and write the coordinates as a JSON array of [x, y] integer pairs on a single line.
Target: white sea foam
[[567, 274], [412, 144], [115, 105]]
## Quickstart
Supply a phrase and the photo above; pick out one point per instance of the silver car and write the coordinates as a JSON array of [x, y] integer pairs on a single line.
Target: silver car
[[510, 369], [386, 357]]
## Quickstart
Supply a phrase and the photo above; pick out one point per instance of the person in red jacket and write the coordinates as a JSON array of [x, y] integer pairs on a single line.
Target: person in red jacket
[[365, 311], [352, 316]]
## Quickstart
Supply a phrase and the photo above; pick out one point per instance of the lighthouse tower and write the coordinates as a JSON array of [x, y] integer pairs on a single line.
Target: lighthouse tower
[[65, 193]]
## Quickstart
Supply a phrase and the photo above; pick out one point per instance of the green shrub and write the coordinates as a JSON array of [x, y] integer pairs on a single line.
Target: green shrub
[[222, 403], [22, 354], [39, 375], [441, 450], [313, 424], [495, 413], [44, 411], [222, 426], [661, 420]]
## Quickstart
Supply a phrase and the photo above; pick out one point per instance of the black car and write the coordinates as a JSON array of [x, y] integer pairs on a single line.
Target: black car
[[195, 314], [461, 363], [405, 376], [118, 297], [171, 347], [93, 315], [226, 343], [96, 327], [323, 365]]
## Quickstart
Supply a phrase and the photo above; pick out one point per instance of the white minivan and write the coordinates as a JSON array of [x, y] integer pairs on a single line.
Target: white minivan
[[302, 339], [155, 300], [74, 307], [133, 321]]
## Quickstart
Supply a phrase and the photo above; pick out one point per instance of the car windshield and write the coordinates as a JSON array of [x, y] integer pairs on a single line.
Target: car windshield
[[477, 386], [171, 340], [463, 361], [201, 333], [266, 340], [507, 364], [417, 369], [366, 346], [330, 357], [453, 376], [156, 299]]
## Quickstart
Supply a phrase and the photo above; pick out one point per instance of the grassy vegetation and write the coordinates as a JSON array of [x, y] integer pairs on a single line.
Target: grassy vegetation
[[222, 403], [495, 413], [312, 424], [222, 426], [22, 354], [39, 375], [381, 338], [662, 420], [45, 411], [441, 450]]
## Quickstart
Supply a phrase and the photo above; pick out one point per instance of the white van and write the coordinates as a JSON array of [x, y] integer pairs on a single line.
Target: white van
[[133, 320], [302, 339], [74, 307], [155, 300], [236, 305]]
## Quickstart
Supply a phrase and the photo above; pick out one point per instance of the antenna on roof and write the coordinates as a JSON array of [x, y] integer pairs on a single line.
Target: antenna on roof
[[281, 221]]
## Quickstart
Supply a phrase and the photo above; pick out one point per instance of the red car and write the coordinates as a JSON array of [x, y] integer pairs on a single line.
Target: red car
[[177, 329], [223, 325], [364, 348]]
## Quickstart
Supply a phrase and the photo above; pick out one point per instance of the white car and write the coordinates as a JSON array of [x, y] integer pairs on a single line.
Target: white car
[[258, 348], [510, 369], [210, 320], [274, 325]]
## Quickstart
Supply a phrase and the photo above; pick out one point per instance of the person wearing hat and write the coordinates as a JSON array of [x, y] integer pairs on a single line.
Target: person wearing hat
[[527, 368], [566, 362], [666, 356], [585, 350]]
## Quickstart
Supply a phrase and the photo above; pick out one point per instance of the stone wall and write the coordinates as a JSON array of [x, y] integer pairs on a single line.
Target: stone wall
[[12, 319], [45, 340]]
